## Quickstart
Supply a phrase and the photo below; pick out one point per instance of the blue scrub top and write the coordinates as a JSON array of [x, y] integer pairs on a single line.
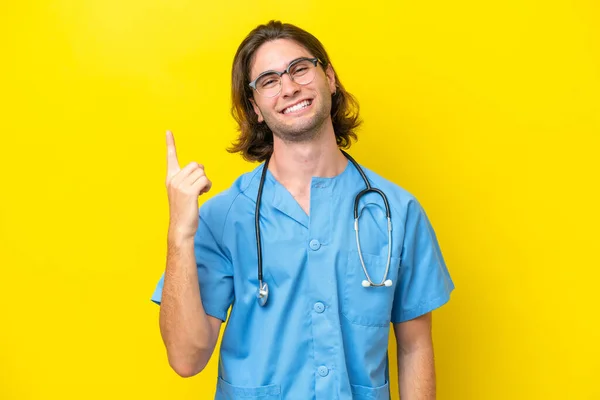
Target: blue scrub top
[[322, 335]]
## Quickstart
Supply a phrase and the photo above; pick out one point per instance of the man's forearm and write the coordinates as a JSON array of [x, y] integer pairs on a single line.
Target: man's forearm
[[416, 373], [184, 324]]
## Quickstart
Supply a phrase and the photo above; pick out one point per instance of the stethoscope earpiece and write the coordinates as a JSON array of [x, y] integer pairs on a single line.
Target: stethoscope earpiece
[[387, 283]]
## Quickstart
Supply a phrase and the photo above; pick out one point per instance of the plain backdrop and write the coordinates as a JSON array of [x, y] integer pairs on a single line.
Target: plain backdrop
[[487, 111]]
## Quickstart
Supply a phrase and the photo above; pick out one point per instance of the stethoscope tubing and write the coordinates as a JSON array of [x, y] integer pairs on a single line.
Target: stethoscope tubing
[[263, 288]]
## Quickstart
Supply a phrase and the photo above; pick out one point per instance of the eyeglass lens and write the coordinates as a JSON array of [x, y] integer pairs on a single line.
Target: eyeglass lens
[[303, 72]]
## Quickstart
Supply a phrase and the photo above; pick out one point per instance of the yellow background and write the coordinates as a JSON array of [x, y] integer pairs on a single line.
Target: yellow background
[[487, 111]]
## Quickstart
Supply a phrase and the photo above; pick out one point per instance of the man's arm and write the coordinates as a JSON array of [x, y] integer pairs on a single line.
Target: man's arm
[[189, 334], [416, 367]]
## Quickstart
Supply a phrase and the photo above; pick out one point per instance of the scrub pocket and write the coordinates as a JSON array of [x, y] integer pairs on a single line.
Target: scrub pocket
[[227, 391], [367, 393], [369, 306]]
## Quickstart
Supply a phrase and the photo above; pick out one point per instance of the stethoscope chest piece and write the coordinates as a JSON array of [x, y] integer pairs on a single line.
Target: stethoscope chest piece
[[263, 294]]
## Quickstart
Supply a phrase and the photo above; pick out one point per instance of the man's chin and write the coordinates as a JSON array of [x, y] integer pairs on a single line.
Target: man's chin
[[297, 136], [298, 130]]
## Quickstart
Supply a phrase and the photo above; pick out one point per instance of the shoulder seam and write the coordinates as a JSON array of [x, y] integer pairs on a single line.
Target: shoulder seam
[[392, 205], [231, 205]]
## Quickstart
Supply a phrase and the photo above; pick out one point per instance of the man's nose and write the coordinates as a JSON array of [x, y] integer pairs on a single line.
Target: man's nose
[[288, 86]]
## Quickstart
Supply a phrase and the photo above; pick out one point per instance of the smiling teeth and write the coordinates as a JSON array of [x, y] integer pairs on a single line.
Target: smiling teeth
[[297, 107]]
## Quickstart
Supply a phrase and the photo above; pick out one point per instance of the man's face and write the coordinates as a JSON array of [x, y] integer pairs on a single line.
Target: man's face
[[300, 124]]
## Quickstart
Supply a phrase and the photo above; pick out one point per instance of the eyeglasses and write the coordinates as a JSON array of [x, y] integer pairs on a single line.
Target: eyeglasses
[[301, 70]]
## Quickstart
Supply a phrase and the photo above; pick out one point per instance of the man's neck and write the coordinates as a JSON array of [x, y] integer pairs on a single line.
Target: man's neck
[[294, 164]]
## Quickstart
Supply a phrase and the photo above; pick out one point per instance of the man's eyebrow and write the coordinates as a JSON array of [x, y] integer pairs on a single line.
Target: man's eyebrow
[[288, 64]]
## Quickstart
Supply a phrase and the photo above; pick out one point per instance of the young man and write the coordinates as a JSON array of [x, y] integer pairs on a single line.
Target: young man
[[311, 297]]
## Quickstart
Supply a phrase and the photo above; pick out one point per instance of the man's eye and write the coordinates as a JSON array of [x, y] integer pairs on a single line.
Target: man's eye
[[268, 83], [301, 70]]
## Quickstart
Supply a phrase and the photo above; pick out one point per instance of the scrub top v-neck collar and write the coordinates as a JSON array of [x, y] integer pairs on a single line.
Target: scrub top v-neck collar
[[283, 200]]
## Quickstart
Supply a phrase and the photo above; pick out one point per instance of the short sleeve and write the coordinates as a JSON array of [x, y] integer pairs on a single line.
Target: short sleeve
[[424, 283], [215, 271]]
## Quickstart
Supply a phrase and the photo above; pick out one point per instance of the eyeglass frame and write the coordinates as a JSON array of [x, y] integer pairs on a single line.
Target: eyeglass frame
[[313, 60]]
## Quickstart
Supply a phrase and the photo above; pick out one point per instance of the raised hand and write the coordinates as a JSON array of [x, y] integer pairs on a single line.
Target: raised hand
[[184, 185]]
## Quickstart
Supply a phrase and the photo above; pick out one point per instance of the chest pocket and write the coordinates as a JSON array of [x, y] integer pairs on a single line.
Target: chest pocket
[[366, 393], [369, 306]]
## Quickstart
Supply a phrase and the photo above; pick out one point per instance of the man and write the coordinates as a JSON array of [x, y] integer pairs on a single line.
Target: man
[[311, 319]]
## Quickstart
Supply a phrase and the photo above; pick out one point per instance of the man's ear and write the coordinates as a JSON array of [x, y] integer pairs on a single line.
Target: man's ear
[[257, 110], [331, 79]]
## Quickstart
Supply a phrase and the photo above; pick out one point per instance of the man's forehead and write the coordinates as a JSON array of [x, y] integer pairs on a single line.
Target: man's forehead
[[276, 55]]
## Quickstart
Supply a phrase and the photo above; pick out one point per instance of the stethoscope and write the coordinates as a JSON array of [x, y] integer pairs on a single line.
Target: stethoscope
[[263, 288]]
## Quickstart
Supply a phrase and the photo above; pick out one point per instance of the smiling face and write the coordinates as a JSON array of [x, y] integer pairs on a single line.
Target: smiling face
[[299, 112]]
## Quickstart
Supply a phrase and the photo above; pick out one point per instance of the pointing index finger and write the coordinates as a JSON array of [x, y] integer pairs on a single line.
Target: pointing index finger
[[172, 162]]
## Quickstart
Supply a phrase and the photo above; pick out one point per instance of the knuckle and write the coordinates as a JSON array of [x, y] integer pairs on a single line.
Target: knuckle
[[170, 184]]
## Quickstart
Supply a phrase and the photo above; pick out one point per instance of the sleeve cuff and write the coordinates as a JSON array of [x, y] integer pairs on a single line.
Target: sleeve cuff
[[212, 311], [215, 312], [422, 309]]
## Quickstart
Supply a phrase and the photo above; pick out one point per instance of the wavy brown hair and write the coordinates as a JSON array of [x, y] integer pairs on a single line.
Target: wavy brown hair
[[255, 140]]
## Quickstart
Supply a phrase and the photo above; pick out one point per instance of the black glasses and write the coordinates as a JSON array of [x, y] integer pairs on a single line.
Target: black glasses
[[301, 70]]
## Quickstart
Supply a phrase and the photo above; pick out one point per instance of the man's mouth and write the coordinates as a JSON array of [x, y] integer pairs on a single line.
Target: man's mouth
[[297, 107]]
